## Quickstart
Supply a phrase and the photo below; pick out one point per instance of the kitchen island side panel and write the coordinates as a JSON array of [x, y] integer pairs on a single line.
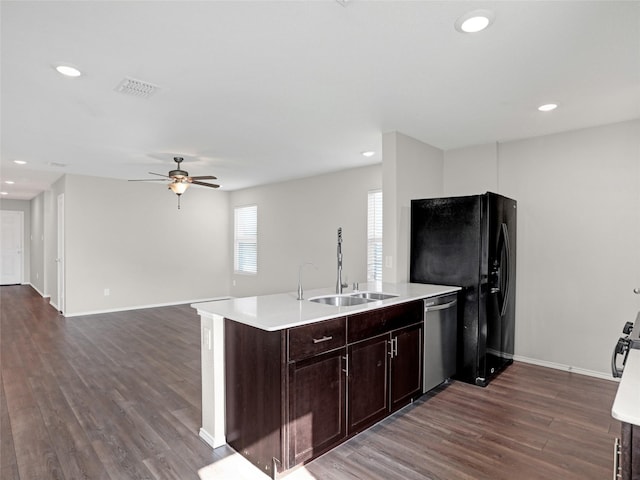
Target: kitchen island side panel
[[254, 374]]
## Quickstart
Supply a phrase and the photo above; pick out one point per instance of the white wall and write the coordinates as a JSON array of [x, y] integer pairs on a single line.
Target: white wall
[[23, 206], [130, 238], [298, 222], [411, 170], [470, 171], [578, 228]]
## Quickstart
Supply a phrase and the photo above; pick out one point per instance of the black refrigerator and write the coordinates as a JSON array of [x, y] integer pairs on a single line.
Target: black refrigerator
[[471, 242]]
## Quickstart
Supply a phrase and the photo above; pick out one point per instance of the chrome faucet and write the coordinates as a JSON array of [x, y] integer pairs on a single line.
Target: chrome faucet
[[339, 284]]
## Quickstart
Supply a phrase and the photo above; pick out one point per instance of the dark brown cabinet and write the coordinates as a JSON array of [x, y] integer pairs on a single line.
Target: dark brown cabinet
[[406, 366], [317, 396], [368, 382], [385, 374], [627, 462], [292, 395]]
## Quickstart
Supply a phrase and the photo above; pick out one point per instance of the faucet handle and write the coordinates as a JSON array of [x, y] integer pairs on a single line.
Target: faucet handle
[[355, 286]]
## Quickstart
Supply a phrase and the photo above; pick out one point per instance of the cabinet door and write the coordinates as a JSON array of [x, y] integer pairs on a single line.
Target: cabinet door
[[317, 400], [368, 382], [406, 365]]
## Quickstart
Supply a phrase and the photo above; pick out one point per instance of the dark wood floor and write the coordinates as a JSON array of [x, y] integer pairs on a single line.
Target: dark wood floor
[[113, 396], [117, 396], [529, 423]]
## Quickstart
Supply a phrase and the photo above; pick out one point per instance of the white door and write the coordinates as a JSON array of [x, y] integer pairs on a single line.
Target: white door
[[60, 257], [11, 242]]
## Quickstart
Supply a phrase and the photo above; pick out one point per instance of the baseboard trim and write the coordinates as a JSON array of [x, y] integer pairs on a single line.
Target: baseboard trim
[[141, 307], [210, 439], [566, 368], [36, 289]]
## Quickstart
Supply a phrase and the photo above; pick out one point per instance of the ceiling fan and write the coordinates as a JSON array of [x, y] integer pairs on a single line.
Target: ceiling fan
[[179, 180]]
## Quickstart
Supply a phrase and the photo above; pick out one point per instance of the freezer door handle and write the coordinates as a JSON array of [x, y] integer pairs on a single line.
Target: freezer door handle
[[506, 268], [500, 274]]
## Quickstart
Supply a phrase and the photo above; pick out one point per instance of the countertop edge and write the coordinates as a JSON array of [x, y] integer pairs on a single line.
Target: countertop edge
[[626, 406], [281, 311]]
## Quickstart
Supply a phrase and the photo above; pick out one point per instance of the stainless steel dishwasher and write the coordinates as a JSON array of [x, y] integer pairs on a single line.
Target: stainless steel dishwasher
[[440, 340]]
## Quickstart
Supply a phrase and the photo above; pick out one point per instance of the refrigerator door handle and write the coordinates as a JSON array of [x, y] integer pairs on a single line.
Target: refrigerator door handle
[[506, 268]]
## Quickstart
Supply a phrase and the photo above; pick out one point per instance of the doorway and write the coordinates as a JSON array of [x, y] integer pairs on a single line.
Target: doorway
[[11, 247]]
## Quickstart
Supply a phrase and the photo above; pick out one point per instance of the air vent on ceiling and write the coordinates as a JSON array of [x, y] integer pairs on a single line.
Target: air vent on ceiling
[[137, 88]]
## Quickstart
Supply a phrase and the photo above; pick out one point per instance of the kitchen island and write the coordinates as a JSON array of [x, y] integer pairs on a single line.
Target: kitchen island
[[279, 360]]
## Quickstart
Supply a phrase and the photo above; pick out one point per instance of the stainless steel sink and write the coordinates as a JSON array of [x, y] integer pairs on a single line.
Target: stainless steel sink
[[340, 300], [373, 295]]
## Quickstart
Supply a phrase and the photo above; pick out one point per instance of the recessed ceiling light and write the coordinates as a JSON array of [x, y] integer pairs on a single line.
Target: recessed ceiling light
[[4, 193], [20, 162], [9, 182], [68, 70], [475, 21], [547, 107], [369, 153]]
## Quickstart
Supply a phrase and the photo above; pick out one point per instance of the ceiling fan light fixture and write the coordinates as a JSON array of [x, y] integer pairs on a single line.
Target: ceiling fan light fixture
[[179, 187], [179, 180]]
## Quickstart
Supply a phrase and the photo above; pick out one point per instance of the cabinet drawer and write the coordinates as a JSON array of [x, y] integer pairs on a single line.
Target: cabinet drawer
[[319, 337], [370, 324]]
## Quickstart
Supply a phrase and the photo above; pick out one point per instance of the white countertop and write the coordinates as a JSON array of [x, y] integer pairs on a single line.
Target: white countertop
[[283, 310], [626, 406]]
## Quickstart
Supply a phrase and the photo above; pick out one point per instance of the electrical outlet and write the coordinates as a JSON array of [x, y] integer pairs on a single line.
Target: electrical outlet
[[206, 338], [107, 292], [388, 261]]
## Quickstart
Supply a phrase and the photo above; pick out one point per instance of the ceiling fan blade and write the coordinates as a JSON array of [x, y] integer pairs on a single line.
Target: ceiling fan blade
[[159, 174], [204, 177], [149, 180], [212, 185]]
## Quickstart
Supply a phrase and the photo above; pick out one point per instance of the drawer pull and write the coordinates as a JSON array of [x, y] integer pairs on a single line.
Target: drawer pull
[[617, 469], [323, 339]]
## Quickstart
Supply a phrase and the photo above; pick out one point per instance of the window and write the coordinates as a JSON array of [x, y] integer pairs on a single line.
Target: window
[[245, 258], [374, 236]]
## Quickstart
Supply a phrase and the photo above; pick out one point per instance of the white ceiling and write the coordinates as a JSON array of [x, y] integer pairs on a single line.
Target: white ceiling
[[256, 92]]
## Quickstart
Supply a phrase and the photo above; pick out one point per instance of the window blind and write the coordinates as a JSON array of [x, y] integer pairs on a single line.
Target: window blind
[[374, 236], [246, 239]]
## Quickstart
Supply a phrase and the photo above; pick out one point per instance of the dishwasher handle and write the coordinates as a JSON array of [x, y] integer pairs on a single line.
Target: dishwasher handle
[[433, 308]]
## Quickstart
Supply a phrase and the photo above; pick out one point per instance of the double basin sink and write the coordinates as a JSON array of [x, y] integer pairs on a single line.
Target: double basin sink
[[356, 298]]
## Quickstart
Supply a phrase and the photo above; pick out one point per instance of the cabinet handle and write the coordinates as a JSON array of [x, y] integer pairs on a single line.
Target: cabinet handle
[[616, 460], [323, 339], [346, 365], [393, 347]]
